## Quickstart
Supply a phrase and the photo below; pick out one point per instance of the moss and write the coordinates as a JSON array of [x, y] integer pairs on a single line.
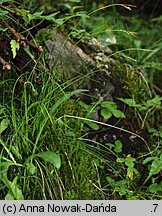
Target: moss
[[131, 80], [44, 35]]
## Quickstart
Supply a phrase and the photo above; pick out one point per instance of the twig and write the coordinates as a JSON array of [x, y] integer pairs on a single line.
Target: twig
[[12, 30], [22, 41], [37, 47], [10, 10]]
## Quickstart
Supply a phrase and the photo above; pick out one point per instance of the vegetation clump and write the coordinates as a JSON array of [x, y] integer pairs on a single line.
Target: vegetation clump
[[61, 142]]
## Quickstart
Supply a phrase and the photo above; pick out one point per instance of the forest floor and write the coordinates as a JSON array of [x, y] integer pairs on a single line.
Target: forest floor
[[53, 144]]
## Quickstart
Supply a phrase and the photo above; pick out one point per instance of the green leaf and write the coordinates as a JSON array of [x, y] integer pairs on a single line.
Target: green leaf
[[109, 105], [156, 101], [121, 187], [37, 14], [155, 187], [15, 46], [61, 123], [50, 17], [7, 150], [59, 21], [118, 113], [130, 197], [92, 125], [3, 125], [99, 164], [117, 150], [3, 29], [118, 146], [27, 17], [4, 166], [2, 110], [156, 132], [88, 108], [120, 160], [110, 145], [14, 191], [31, 169], [129, 102], [156, 167], [106, 113], [131, 171], [50, 157], [110, 181], [148, 159], [129, 161], [4, 16], [9, 196]]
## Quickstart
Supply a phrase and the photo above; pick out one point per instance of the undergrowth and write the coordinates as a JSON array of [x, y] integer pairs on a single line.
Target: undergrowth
[[46, 152]]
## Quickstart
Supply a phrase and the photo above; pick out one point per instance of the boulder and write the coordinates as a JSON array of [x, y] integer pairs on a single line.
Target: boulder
[[85, 66]]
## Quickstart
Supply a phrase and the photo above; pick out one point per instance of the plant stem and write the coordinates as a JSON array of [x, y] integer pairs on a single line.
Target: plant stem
[[9, 10]]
